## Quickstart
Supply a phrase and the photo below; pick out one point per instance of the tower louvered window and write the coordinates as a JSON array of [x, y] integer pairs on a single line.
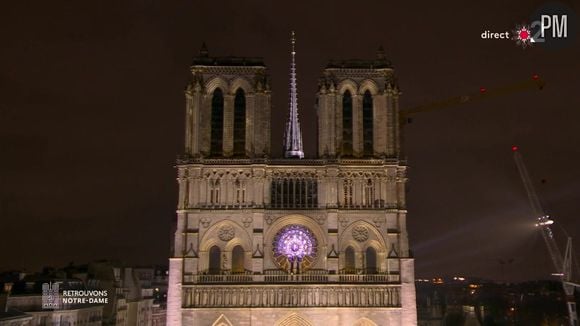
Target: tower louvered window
[[217, 123], [240, 123], [368, 124], [346, 123]]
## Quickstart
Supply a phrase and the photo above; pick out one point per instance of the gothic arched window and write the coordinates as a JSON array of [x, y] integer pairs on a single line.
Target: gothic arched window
[[368, 123], [370, 261], [238, 260], [349, 265], [240, 191], [347, 188], [215, 259], [347, 123], [240, 123], [214, 191], [217, 123], [294, 193], [369, 194]]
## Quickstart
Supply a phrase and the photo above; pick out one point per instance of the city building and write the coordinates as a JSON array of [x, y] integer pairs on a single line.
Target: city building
[[23, 305], [134, 296], [156, 279], [291, 240], [132, 299], [466, 301]]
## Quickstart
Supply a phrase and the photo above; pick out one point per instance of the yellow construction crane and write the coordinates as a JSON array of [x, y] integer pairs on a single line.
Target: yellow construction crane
[[562, 263], [535, 82]]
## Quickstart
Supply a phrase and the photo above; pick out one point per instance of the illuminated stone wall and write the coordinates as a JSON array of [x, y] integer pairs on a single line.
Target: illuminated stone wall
[[225, 268]]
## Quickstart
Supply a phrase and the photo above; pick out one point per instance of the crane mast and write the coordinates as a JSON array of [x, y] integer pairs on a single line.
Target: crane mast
[[543, 219], [563, 264]]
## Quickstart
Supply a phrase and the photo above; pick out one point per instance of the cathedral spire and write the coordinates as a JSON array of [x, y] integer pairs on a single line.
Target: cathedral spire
[[293, 136]]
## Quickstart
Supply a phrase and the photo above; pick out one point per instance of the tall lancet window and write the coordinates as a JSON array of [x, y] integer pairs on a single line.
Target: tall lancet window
[[240, 191], [214, 192], [215, 258], [217, 123], [346, 123], [370, 261], [369, 193], [368, 124], [349, 265], [240, 123], [347, 188], [238, 259]]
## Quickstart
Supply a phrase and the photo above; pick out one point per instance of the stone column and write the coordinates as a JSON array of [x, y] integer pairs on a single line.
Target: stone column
[[404, 238], [266, 117], [196, 102], [357, 191], [204, 130], [203, 190], [194, 190], [338, 123], [380, 124], [261, 135], [188, 122], [401, 181], [322, 122], [397, 137], [174, 295], [331, 126], [182, 183], [408, 295], [179, 238]]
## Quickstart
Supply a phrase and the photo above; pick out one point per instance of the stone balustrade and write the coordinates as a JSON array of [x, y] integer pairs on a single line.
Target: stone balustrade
[[201, 296], [283, 277]]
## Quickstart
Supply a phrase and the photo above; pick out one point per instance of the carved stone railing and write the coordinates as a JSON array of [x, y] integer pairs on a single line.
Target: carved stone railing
[[233, 278], [226, 206], [369, 278], [185, 159], [378, 204], [310, 276], [206, 296], [366, 275], [279, 276]]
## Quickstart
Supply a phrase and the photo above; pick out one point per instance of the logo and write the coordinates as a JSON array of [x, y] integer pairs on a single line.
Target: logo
[[523, 35], [552, 26], [50, 296]]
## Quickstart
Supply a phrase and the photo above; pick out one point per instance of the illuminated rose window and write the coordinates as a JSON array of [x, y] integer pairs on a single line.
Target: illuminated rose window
[[294, 248]]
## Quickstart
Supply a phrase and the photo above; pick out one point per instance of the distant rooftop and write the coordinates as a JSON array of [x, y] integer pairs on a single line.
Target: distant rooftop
[[379, 62], [13, 314], [359, 64], [228, 61], [205, 60]]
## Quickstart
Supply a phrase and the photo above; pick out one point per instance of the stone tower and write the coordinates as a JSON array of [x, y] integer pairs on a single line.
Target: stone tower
[[291, 241]]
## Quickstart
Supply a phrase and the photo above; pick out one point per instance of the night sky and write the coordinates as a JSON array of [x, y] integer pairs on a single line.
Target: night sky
[[92, 119]]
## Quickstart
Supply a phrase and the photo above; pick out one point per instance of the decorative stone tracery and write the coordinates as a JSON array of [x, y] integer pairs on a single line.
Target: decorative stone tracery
[[226, 232], [295, 248], [360, 233], [205, 221], [247, 221]]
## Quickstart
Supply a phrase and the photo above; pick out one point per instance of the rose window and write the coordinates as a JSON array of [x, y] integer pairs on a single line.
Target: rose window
[[294, 248]]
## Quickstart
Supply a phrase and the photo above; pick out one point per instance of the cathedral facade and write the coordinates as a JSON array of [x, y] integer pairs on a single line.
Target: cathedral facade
[[291, 240]]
